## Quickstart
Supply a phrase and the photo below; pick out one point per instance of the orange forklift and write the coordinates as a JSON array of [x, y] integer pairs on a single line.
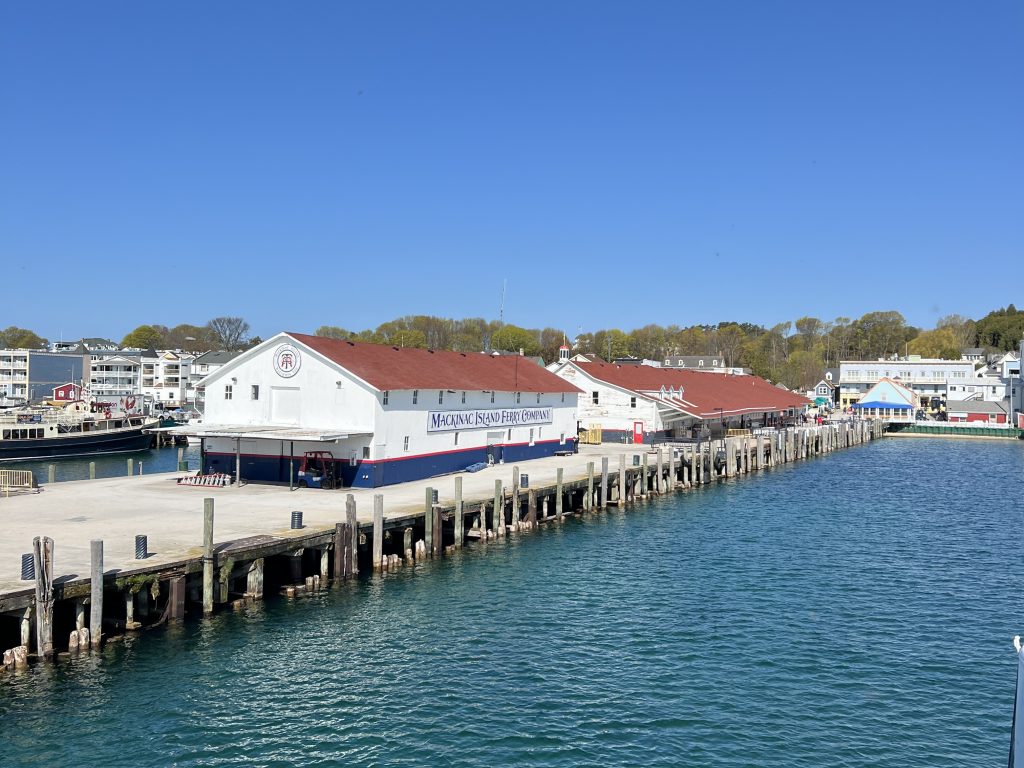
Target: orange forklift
[[318, 470]]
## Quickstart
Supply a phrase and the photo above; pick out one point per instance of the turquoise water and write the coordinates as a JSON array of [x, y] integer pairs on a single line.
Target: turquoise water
[[111, 465], [853, 610]]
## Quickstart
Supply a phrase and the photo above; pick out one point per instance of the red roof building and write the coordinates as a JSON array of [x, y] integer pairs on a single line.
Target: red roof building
[[635, 403]]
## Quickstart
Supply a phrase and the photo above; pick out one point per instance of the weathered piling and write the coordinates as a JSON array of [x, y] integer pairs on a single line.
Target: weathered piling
[[353, 527], [604, 482], [459, 523], [378, 527], [558, 493], [428, 523], [588, 503], [207, 556], [516, 504], [42, 553], [96, 592], [499, 509], [621, 501]]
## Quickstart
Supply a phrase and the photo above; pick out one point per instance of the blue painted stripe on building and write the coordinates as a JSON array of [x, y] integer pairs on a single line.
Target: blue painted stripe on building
[[373, 474]]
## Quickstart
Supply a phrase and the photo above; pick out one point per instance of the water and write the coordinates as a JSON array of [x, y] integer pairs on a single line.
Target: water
[[109, 465], [854, 610]]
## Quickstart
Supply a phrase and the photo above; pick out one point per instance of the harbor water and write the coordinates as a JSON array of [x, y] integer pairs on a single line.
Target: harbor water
[[109, 465], [853, 610]]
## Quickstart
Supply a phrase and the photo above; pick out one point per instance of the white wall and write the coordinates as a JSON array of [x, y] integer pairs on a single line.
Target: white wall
[[614, 409]]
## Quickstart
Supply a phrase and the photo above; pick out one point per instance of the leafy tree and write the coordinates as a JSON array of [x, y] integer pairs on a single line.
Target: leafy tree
[[730, 340], [229, 333], [940, 343], [964, 330], [14, 337], [649, 342], [611, 344], [511, 338], [1001, 329], [332, 332], [143, 337], [191, 338]]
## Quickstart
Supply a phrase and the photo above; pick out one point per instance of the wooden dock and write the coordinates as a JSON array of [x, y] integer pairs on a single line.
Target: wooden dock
[[207, 548]]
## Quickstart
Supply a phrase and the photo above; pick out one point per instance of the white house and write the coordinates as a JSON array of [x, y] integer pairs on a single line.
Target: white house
[[165, 377], [386, 414]]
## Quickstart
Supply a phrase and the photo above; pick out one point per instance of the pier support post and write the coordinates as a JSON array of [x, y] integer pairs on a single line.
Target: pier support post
[[129, 611], [378, 529], [604, 482], [643, 472], [672, 479], [254, 579], [26, 626], [558, 493], [659, 471], [459, 513], [51, 473], [207, 556], [531, 507], [516, 503], [353, 527], [92, 470], [622, 480], [79, 613], [325, 562], [407, 543], [498, 522], [176, 598], [589, 501], [428, 523], [42, 553], [730, 457], [438, 531], [96, 592]]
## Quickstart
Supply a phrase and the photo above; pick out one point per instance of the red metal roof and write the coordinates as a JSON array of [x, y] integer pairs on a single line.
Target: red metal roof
[[707, 392], [386, 367]]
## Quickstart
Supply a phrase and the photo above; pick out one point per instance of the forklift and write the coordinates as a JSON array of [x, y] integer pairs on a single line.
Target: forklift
[[318, 470]]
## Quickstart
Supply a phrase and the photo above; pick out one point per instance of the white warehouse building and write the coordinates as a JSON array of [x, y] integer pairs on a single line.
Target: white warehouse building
[[386, 414]]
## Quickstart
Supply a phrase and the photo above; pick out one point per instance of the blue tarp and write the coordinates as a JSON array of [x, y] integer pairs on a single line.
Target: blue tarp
[[882, 404]]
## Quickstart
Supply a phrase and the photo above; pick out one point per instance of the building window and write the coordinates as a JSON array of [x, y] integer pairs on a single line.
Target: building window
[[463, 397], [531, 435], [456, 438], [384, 397], [594, 396], [632, 402], [509, 434], [415, 396], [563, 397], [227, 392], [517, 397], [405, 443], [492, 395], [440, 397], [561, 439], [254, 392], [538, 398], [366, 451]]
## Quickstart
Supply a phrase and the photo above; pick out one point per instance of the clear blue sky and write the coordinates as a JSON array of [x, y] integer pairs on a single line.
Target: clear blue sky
[[314, 163]]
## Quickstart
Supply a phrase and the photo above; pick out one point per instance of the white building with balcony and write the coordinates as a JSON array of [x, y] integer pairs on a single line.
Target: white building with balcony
[[165, 378], [934, 381]]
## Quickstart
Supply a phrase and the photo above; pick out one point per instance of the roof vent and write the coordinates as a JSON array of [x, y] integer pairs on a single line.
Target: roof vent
[[395, 348]]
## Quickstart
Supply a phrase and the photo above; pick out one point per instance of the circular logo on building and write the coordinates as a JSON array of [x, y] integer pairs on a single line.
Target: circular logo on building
[[287, 361]]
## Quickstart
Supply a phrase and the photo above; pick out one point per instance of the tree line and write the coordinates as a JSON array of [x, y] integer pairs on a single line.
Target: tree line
[[793, 352]]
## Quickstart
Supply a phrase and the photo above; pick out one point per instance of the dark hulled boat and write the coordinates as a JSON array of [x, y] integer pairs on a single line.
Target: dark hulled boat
[[28, 435]]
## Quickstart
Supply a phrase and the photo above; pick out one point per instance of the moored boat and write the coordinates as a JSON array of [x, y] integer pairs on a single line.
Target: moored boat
[[72, 431]]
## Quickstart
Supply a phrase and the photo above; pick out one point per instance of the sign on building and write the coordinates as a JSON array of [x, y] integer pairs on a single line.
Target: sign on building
[[449, 421]]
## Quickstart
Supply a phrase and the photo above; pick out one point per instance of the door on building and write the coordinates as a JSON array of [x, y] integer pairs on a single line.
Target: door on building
[[285, 405], [494, 447], [638, 432]]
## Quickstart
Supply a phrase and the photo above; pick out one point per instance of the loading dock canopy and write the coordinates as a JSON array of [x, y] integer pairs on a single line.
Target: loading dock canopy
[[268, 432]]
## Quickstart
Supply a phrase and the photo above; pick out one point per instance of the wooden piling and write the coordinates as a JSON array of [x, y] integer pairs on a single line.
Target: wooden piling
[[516, 504], [459, 522], [643, 470], [531, 507], [407, 544], [671, 468], [659, 471], [131, 467], [378, 529], [176, 598], [207, 556], [622, 480], [558, 493], [498, 521], [96, 592], [92, 470], [42, 554], [428, 523], [604, 482], [353, 527], [588, 502], [51, 473], [438, 531]]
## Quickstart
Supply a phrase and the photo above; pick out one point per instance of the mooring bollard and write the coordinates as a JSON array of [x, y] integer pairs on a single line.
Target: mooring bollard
[[131, 467], [92, 470], [51, 473], [28, 567], [141, 547], [296, 520]]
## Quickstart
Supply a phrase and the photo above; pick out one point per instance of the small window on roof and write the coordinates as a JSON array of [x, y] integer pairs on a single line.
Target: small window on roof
[[415, 396]]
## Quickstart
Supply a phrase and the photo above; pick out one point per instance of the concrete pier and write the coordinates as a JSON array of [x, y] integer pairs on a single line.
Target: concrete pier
[[253, 541]]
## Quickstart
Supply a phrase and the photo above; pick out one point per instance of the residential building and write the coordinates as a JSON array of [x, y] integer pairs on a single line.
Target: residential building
[[929, 379], [31, 375]]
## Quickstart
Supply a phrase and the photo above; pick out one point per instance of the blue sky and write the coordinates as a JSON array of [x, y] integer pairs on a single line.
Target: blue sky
[[619, 164]]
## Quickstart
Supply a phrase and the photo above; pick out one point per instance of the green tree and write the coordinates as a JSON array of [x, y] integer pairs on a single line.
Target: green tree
[[190, 338], [332, 332], [143, 337], [964, 330], [512, 338], [940, 344], [14, 337], [1001, 329]]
